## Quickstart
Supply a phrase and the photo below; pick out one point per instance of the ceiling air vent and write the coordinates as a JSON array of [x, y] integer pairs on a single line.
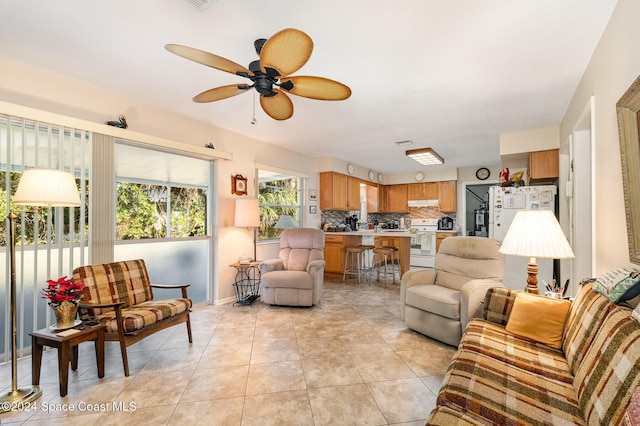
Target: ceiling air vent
[[201, 5]]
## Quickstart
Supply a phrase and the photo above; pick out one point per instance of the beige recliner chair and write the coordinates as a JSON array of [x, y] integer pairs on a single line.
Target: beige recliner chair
[[440, 302], [296, 277]]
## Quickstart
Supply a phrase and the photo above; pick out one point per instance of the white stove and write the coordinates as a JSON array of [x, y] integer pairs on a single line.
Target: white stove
[[423, 243]]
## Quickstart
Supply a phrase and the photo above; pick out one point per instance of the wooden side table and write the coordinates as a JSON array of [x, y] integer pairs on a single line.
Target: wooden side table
[[67, 344]]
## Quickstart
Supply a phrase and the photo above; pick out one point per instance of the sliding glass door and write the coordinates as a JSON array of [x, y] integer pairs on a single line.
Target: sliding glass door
[[162, 205]]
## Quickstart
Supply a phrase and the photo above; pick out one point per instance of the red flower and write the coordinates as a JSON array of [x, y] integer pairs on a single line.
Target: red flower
[[62, 289]]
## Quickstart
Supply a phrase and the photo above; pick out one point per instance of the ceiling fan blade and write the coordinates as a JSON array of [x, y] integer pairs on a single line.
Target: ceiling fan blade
[[221, 92], [317, 88], [278, 107], [208, 59], [287, 51]]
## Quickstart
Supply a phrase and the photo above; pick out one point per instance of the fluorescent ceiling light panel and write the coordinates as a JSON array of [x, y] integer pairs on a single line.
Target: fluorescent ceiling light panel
[[425, 156]]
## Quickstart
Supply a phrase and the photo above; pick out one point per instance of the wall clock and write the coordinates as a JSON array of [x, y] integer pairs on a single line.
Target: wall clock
[[372, 175], [483, 173], [379, 177], [238, 185]]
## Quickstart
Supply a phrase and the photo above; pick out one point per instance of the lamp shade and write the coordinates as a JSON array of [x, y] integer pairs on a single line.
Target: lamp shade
[[247, 213], [47, 187], [285, 222], [536, 233]]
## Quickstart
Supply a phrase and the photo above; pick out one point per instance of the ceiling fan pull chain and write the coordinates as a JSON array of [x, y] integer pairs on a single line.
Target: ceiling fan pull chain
[[253, 120]]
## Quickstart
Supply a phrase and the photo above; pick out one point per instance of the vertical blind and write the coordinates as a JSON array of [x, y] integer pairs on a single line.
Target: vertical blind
[[50, 242]]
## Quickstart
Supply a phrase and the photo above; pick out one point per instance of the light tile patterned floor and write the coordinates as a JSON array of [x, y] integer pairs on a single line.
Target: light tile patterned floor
[[348, 361]]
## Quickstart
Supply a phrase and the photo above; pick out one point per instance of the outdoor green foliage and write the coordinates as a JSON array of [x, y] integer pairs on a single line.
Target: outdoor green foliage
[[276, 198], [141, 211], [30, 218]]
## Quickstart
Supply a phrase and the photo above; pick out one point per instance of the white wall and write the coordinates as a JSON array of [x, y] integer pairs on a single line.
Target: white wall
[[34, 89], [614, 66]]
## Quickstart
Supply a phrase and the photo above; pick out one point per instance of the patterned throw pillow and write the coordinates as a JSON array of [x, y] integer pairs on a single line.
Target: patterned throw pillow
[[636, 313], [619, 284]]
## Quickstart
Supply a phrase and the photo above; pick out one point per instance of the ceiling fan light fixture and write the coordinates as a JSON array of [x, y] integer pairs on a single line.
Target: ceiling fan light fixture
[[425, 156]]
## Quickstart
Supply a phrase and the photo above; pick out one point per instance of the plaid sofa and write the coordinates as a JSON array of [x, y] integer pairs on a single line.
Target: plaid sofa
[[498, 378], [120, 295]]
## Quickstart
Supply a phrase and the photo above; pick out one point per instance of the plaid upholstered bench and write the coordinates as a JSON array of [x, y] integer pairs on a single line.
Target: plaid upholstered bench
[[120, 296], [500, 378]]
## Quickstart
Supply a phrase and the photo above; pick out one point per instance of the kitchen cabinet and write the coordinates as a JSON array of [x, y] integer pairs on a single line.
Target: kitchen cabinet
[[353, 193], [372, 199], [423, 191], [397, 198], [440, 236], [544, 167], [340, 192], [333, 191], [334, 246], [447, 196]]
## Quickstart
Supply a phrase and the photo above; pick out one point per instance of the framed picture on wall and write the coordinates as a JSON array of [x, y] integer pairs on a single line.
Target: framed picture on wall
[[312, 209], [313, 195]]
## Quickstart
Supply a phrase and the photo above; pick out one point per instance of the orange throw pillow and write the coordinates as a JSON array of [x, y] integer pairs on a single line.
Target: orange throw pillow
[[539, 318]]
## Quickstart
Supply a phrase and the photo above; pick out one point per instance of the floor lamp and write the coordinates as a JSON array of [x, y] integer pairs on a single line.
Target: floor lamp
[[39, 188], [247, 215], [532, 234]]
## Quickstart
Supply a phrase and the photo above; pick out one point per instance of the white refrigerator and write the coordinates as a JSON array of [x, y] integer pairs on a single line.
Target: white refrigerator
[[504, 203]]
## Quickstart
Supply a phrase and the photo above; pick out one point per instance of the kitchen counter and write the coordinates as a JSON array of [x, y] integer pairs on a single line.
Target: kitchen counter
[[336, 242], [451, 231], [380, 233]]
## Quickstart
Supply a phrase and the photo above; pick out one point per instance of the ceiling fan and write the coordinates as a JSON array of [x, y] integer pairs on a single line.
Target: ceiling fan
[[281, 55]]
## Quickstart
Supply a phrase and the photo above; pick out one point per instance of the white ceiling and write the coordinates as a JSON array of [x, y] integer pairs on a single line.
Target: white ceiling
[[452, 75]]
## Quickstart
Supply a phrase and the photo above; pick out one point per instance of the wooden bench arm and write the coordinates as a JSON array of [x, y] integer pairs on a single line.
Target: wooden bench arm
[[183, 287]]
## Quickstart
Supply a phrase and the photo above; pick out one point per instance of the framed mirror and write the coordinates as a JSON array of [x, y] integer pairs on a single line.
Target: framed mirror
[[628, 111]]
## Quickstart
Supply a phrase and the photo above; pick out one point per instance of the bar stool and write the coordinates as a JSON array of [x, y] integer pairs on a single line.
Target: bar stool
[[368, 260], [353, 256], [385, 256]]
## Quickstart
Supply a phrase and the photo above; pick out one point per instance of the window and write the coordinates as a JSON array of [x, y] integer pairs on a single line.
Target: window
[[279, 193], [159, 195], [145, 210]]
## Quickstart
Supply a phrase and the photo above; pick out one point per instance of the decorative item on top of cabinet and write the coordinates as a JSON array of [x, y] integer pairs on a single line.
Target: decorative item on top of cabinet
[[447, 196], [544, 167], [238, 185]]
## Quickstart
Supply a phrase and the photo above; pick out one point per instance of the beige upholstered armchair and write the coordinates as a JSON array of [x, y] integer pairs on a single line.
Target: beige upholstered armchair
[[296, 277], [440, 302]]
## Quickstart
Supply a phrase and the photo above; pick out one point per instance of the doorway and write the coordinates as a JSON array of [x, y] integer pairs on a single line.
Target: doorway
[[476, 196], [576, 191]]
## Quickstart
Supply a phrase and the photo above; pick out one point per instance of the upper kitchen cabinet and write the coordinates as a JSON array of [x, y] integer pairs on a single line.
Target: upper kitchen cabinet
[[423, 191], [373, 205], [397, 198], [544, 167], [353, 193], [341, 192], [333, 191], [447, 196]]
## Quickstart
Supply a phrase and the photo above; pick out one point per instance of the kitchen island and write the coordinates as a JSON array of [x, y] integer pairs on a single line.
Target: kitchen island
[[335, 243]]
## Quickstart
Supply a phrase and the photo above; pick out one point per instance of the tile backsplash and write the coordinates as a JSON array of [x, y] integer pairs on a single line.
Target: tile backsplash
[[337, 217]]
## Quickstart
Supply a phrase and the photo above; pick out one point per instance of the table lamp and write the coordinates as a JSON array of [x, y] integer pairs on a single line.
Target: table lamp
[[247, 215], [40, 188], [285, 222], [535, 233]]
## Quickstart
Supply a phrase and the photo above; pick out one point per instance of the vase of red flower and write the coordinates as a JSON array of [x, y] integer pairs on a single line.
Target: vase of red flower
[[64, 295]]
